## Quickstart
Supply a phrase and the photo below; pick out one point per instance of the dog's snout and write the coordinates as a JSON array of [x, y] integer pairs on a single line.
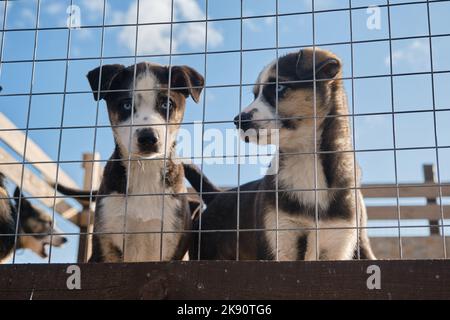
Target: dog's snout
[[236, 121], [147, 140], [64, 240], [147, 137], [243, 120]]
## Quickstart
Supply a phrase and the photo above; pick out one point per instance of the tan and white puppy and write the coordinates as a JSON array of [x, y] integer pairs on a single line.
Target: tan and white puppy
[[138, 199], [306, 103]]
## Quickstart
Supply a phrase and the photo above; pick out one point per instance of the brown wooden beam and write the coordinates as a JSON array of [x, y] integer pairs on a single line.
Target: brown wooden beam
[[420, 190], [431, 247], [432, 212], [31, 183], [16, 140], [419, 279], [92, 178], [430, 177]]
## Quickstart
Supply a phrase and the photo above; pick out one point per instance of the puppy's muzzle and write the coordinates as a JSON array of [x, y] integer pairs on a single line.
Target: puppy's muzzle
[[244, 121], [147, 140]]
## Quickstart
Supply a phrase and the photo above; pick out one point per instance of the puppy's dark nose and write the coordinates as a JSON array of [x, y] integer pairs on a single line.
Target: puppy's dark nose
[[147, 140], [245, 120], [64, 240]]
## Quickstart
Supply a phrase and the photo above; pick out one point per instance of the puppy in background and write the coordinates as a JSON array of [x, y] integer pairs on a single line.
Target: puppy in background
[[36, 229]]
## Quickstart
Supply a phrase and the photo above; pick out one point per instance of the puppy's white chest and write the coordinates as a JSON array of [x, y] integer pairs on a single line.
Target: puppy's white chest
[[137, 223], [137, 219]]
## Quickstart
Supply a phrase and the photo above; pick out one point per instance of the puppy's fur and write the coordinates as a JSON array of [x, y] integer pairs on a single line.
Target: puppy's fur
[[130, 199], [31, 221], [87, 197], [292, 210]]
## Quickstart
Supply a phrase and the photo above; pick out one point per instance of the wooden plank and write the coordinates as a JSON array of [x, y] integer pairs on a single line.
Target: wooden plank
[[419, 190], [430, 177], [32, 184], [420, 279], [16, 140], [406, 190], [430, 212], [412, 247], [91, 181]]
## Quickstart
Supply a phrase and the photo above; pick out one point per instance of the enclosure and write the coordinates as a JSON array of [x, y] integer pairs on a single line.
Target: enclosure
[[396, 75]]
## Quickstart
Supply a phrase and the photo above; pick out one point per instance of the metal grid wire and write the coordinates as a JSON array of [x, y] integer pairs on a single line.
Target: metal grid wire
[[352, 115]]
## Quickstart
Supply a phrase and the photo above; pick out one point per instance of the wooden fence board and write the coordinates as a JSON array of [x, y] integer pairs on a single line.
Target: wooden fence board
[[431, 247], [31, 184], [430, 212], [16, 140], [409, 279]]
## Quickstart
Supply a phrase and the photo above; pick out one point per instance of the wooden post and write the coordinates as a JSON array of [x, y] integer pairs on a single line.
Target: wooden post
[[91, 181], [430, 178]]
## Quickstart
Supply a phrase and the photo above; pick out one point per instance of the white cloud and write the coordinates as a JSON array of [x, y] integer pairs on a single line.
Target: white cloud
[[257, 25], [251, 25], [323, 4], [83, 34], [189, 9], [28, 14], [415, 54], [269, 21], [92, 11], [54, 8], [94, 6], [156, 38]]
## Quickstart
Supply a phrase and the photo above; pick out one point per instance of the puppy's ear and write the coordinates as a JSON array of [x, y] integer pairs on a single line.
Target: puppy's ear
[[105, 74], [17, 193], [327, 65], [24, 202], [2, 180], [190, 81]]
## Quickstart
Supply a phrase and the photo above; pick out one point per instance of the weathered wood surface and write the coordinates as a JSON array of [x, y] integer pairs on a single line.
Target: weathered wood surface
[[16, 140], [419, 279], [431, 247], [32, 184]]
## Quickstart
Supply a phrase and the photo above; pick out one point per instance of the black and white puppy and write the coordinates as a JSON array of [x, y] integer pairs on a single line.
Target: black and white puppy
[[307, 122], [36, 229], [128, 223]]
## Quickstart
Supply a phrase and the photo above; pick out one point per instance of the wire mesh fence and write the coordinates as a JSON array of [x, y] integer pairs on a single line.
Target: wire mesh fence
[[182, 81]]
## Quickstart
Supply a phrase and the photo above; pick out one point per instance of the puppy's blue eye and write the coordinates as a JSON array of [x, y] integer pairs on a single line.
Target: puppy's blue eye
[[127, 104], [167, 105], [281, 88]]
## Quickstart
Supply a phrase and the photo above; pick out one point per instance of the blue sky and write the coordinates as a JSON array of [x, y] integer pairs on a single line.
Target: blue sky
[[371, 95]]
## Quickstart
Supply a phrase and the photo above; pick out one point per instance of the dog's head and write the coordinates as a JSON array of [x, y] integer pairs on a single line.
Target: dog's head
[[290, 106], [39, 225], [140, 120]]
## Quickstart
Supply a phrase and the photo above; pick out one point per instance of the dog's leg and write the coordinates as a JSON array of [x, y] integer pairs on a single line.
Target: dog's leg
[[366, 251], [337, 241], [286, 237], [105, 250], [288, 249], [337, 244], [311, 247]]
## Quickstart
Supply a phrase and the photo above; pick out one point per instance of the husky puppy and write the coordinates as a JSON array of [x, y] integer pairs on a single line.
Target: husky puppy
[[140, 198], [302, 96]]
